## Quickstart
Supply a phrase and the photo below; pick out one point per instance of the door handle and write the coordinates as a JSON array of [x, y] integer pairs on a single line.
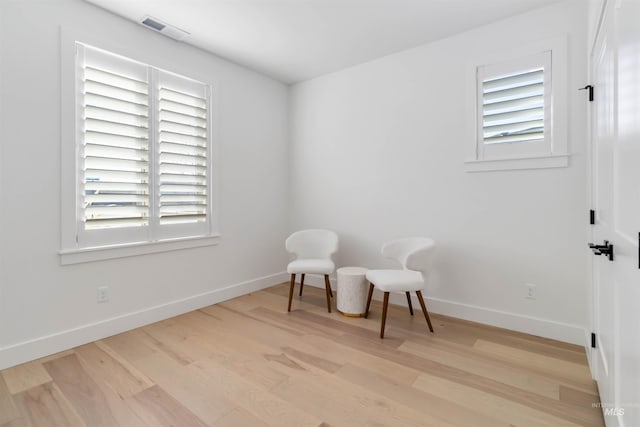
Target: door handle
[[605, 249]]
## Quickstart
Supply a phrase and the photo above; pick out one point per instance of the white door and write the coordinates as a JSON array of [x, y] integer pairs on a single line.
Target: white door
[[603, 114], [616, 197]]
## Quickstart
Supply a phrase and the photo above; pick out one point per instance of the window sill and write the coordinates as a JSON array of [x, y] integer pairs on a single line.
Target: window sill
[[78, 256], [533, 162]]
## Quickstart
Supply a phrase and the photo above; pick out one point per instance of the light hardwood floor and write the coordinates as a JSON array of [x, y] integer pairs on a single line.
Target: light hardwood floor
[[247, 362]]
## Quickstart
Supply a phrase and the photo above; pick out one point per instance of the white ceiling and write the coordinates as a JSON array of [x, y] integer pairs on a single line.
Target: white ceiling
[[295, 40]]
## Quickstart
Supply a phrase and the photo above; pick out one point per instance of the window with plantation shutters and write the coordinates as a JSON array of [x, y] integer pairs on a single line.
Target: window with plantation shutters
[[143, 147], [515, 113]]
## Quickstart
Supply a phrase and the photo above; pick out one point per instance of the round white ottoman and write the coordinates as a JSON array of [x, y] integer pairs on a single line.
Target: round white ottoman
[[352, 291]]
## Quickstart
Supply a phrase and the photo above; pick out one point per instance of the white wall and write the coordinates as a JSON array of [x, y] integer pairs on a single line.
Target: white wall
[[377, 153], [44, 306]]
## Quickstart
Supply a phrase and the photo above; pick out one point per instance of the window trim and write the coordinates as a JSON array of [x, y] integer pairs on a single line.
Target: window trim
[[513, 163], [70, 251], [558, 154], [81, 255]]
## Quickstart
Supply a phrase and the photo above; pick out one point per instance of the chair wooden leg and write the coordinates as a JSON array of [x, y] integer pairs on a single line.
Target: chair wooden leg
[[293, 281], [327, 286], [301, 283], [366, 312], [409, 302], [424, 309], [385, 304]]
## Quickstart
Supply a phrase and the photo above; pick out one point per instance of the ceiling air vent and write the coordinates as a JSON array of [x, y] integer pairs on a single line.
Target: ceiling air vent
[[164, 28]]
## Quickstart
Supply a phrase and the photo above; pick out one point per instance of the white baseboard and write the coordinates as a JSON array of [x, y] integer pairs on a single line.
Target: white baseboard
[[46, 345], [565, 332], [552, 329]]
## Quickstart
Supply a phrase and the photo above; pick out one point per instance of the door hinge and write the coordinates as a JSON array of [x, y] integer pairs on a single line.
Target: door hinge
[[592, 217], [593, 340], [590, 89]]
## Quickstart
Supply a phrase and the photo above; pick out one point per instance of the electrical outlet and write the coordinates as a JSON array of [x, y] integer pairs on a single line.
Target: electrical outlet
[[103, 294], [530, 291]]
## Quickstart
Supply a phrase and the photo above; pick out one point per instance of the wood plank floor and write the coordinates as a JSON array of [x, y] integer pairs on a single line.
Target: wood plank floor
[[247, 362]]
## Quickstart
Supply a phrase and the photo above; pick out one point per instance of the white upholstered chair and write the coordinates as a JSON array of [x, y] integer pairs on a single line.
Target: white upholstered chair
[[312, 250], [415, 255]]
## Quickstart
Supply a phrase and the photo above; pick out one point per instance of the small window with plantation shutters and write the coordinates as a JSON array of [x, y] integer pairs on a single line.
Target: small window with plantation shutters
[[514, 108], [143, 152]]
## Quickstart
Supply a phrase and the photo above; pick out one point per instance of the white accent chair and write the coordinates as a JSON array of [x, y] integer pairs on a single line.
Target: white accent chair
[[415, 255], [313, 250]]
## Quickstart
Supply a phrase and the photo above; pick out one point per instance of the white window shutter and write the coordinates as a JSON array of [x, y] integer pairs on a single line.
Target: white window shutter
[[183, 136], [115, 145], [513, 108]]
